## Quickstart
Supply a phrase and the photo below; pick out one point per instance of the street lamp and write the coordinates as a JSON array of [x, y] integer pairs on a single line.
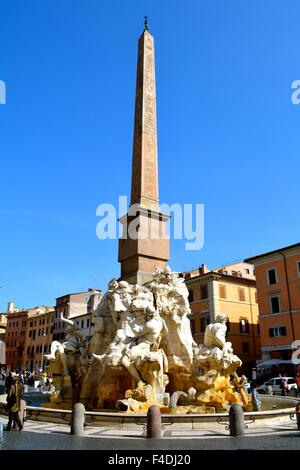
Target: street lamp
[[43, 346]]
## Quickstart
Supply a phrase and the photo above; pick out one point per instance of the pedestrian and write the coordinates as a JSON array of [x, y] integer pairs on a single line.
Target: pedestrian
[[13, 403], [8, 382], [252, 384], [297, 378], [256, 403], [284, 386]]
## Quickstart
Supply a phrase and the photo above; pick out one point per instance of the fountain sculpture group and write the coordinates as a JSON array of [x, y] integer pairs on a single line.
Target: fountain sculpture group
[[142, 353]]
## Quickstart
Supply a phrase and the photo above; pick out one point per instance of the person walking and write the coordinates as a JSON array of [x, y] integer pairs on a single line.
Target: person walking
[[256, 403], [13, 403], [298, 381]]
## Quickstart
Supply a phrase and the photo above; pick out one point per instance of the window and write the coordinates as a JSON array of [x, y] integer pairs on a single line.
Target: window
[[192, 325], [33, 336], [247, 271], [88, 323], [298, 268], [275, 305], [236, 273], [272, 277], [30, 333], [277, 331], [191, 296], [222, 291], [204, 321], [245, 347], [203, 292], [244, 325], [242, 295], [82, 323]]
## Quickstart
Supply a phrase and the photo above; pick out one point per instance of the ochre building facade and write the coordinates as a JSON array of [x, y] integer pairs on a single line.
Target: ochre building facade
[[231, 291]]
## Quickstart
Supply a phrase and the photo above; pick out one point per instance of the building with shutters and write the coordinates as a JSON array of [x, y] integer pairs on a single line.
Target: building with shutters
[[231, 291], [278, 292]]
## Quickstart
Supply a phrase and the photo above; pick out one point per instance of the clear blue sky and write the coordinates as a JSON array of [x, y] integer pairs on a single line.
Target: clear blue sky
[[228, 134]]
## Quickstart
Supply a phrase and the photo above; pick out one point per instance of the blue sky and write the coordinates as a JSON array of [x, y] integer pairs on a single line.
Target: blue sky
[[228, 133]]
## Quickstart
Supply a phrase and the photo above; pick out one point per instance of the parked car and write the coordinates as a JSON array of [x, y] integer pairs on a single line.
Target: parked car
[[275, 384]]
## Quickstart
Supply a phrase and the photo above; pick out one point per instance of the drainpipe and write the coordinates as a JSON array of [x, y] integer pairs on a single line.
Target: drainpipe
[[289, 296], [252, 322]]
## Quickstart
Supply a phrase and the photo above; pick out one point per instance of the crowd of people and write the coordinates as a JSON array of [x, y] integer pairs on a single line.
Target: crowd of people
[[26, 377]]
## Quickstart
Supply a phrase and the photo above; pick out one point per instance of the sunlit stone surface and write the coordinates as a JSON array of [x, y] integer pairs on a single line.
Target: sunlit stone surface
[[142, 352]]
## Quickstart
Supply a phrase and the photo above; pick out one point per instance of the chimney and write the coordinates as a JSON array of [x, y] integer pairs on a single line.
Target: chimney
[[203, 269]]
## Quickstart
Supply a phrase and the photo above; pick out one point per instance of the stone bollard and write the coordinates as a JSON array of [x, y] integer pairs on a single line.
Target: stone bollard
[[298, 415], [236, 420], [77, 419], [154, 422], [22, 412]]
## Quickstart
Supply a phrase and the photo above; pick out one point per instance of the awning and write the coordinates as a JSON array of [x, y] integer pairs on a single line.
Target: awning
[[272, 362]]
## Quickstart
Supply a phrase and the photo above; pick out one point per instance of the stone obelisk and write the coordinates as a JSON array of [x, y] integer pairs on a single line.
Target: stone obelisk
[[144, 244]]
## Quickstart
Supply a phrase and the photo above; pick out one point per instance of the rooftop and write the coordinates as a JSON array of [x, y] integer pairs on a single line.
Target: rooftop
[[241, 270], [289, 247]]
